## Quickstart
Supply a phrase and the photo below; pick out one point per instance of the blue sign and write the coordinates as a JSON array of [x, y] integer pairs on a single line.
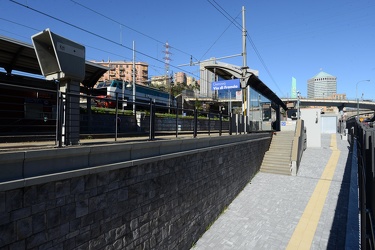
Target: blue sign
[[226, 84]]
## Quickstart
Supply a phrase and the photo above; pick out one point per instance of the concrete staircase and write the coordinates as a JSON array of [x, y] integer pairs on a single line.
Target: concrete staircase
[[277, 159]]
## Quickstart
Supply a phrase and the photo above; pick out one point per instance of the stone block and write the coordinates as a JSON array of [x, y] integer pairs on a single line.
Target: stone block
[[36, 240], [14, 199], [82, 208], [20, 213]]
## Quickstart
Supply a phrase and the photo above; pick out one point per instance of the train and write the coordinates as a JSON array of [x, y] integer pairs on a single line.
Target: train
[[124, 91]]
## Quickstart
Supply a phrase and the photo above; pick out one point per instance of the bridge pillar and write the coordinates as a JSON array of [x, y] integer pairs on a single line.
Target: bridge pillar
[[341, 108], [278, 119]]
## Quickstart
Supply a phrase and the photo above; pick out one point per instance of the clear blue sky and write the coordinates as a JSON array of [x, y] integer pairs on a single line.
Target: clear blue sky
[[293, 38]]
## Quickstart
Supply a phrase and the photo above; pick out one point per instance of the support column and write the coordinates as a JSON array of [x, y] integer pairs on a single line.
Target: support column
[[71, 111]]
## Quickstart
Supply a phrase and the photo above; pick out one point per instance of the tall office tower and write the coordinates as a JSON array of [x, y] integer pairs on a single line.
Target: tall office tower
[[323, 85], [294, 88]]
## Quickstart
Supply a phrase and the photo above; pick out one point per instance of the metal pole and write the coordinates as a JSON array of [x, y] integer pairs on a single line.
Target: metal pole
[[221, 122], [123, 95], [244, 54], [244, 68], [298, 103], [176, 119], [151, 135], [195, 122], [230, 123], [116, 116], [260, 113], [230, 102], [60, 119], [356, 96], [209, 122], [133, 78], [57, 112]]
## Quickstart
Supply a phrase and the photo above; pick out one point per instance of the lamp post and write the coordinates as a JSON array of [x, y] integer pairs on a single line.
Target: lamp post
[[298, 103], [356, 95], [123, 95]]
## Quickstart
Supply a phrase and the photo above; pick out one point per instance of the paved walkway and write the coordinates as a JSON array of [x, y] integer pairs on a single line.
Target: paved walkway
[[270, 209]]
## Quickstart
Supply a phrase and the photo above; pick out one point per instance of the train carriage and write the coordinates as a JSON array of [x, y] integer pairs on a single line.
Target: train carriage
[[124, 91]]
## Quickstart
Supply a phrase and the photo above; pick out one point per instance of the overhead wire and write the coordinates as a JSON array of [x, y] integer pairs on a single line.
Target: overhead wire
[[128, 27], [217, 40], [35, 29], [86, 45], [97, 35], [239, 26], [227, 16]]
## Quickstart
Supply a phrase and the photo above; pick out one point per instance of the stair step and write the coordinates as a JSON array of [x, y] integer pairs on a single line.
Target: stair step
[[280, 147], [273, 171], [278, 154], [280, 165], [280, 150], [277, 159]]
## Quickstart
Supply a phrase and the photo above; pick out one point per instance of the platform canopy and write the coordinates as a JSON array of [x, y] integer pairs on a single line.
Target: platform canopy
[[229, 72], [19, 56]]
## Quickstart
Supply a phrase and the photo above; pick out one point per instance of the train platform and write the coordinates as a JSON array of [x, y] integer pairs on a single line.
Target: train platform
[[317, 209]]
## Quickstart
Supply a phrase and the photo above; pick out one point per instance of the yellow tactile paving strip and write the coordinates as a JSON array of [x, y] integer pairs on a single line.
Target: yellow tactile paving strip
[[304, 233]]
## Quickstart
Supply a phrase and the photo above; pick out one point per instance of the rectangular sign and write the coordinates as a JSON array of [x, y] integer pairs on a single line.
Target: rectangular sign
[[226, 84]]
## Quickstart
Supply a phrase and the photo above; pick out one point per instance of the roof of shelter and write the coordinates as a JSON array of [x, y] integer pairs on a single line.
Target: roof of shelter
[[228, 73], [20, 56]]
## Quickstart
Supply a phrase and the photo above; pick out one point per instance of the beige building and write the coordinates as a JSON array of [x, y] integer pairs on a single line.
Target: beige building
[[180, 77], [190, 80], [124, 71], [338, 97], [160, 80]]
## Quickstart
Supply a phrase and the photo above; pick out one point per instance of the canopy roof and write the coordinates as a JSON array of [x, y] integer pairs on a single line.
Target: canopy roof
[[226, 72], [20, 56]]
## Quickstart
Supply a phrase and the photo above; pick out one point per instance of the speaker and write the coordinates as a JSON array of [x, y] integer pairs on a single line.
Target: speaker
[[58, 57]]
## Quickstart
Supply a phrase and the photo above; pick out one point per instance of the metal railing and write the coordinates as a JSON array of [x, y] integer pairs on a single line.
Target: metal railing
[[36, 114], [363, 136]]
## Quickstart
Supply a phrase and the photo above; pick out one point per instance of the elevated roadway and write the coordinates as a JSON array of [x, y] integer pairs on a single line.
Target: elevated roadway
[[330, 103], [304, 102]]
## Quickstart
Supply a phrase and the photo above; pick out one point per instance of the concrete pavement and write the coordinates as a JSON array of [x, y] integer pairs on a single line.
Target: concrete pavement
[[266, 213]]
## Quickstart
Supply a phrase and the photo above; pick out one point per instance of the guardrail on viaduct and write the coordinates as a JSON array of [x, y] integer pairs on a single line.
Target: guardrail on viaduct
[[160, 194]]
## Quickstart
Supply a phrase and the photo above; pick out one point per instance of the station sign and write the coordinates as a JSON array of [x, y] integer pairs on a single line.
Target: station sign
[[226, 84]]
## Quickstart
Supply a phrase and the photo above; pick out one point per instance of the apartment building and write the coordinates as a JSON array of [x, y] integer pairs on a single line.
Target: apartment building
[[124, 70]]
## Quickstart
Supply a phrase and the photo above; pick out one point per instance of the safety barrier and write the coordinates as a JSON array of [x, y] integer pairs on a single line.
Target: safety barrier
[[363, 136]]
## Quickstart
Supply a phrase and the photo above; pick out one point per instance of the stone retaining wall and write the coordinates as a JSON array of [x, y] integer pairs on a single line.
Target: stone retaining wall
[[162, 202]]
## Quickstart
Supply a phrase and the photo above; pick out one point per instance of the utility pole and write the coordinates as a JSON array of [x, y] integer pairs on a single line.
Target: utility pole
[[133, 78], [246, 94]]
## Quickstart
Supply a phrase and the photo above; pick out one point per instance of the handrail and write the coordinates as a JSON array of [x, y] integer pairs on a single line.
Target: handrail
[[367, 235], [298, 146], [368, 212]]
